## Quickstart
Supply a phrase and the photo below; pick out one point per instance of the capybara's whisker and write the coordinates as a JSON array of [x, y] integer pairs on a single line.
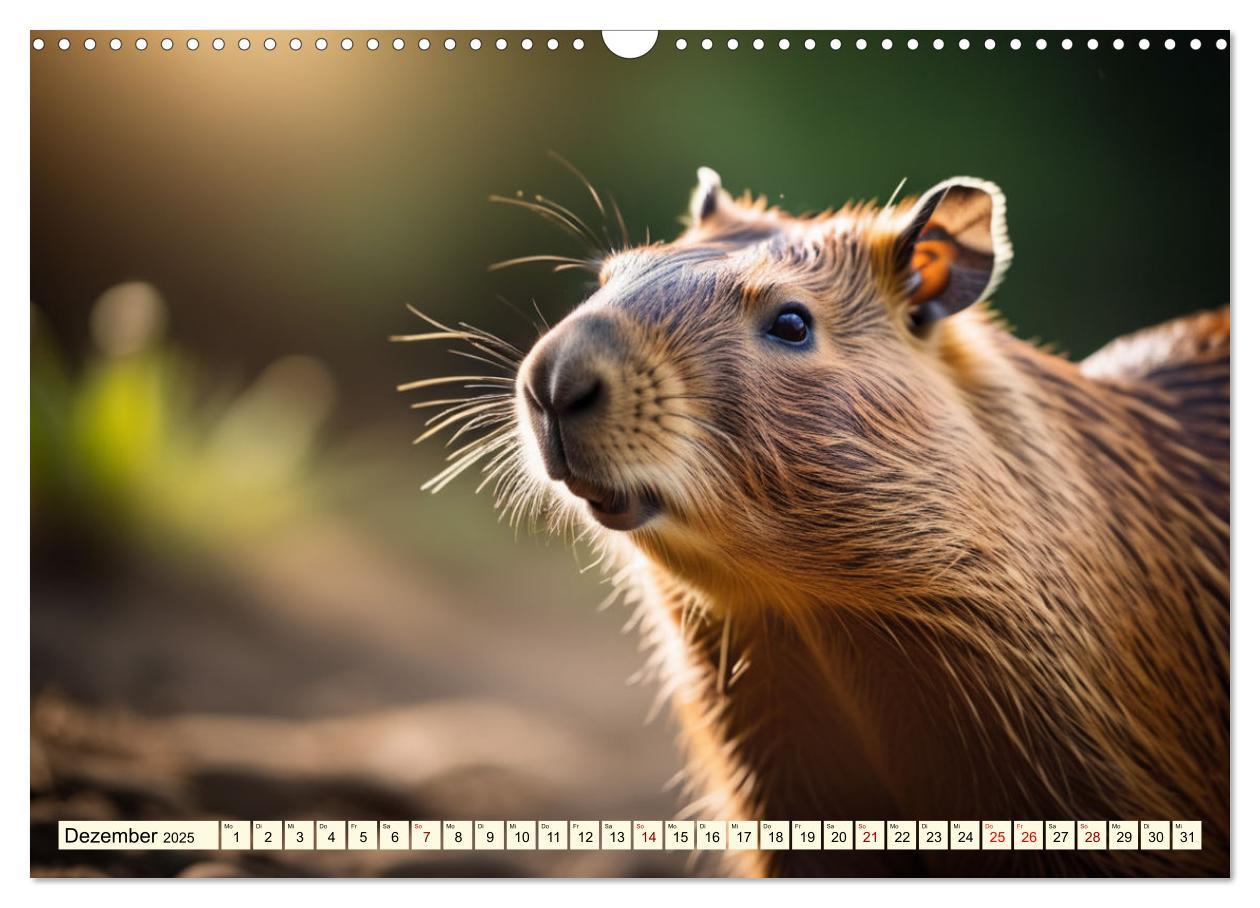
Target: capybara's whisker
[[505, 365], [569, 260], [552, 215], [480, 422], [453, 379], [425, 404], [457, 417]]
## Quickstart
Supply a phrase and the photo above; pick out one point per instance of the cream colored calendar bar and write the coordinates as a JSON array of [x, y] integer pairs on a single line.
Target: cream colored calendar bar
[[628, 835]]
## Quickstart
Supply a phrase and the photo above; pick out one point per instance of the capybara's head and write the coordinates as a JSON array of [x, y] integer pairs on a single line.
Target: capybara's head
[[770, 398]]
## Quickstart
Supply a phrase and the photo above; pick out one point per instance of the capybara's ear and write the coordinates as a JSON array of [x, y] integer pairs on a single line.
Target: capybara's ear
[[955, 250], [708, 199]]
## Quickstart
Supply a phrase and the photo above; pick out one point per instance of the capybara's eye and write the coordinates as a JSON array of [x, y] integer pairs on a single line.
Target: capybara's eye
[[791, 324]]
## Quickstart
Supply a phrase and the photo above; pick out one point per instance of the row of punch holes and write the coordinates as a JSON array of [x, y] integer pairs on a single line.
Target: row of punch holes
[[501, 44]]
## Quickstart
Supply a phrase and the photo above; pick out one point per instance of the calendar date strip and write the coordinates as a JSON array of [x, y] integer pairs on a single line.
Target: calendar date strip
[[626, 835]]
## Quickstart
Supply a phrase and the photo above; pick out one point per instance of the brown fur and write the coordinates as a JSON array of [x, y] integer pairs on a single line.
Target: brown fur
[[914, 575]]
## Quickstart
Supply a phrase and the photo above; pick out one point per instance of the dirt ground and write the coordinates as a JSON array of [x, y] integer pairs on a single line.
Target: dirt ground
[[319, 676]]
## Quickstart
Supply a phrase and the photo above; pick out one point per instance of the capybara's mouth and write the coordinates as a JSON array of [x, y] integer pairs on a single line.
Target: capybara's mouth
[[617, 510]]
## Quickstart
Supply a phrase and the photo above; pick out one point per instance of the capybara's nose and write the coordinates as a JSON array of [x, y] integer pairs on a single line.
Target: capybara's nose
[[568, 379], [568, 388]]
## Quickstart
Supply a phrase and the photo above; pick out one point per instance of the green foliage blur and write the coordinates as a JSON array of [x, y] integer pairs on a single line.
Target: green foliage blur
[[130, 443]]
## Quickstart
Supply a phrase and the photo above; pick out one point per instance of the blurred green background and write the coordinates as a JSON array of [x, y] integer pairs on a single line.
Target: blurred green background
[[227, 520]]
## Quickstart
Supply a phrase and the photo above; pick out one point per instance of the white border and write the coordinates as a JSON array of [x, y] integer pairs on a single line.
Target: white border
[[1079, 15]]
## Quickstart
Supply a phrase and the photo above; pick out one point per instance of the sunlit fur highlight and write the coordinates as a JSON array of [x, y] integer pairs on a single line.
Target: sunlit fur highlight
[[938, 575]]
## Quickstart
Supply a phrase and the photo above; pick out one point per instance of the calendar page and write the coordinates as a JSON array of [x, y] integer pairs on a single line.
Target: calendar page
[[550, 453]]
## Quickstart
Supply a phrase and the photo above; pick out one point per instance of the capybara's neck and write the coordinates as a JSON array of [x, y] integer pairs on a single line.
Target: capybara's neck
[[1047, 672]]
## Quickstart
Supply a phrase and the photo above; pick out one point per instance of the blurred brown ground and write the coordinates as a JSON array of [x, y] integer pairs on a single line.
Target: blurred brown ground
[[326, 680]]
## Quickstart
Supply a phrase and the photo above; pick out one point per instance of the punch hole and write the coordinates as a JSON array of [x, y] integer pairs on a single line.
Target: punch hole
[[449, 44], [989, 44], [1016, 44], [913, 44], [835, 43], [1221, 44], [500, 44], [707, 44], [1041, 44], [269, 44], [142, 44], [423, 44], [38, 44], [963, 44], [1170, 44], [527, 43], [89, 44], [167, 44], [629, 44], [681, 44], [938, 44], [1144, 44], [193, 44], [1118, 44], [1067, 44], [217, 44], [373, 44], [1092, 44], [64, 44], [860, 44], [243, 44], [1195, 43], [552, 44], [346, 44], [784, 44], [475, 44], [578, 44], [758, 44], [399, 44], [732, 44], [295, 44], [810, 44]]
